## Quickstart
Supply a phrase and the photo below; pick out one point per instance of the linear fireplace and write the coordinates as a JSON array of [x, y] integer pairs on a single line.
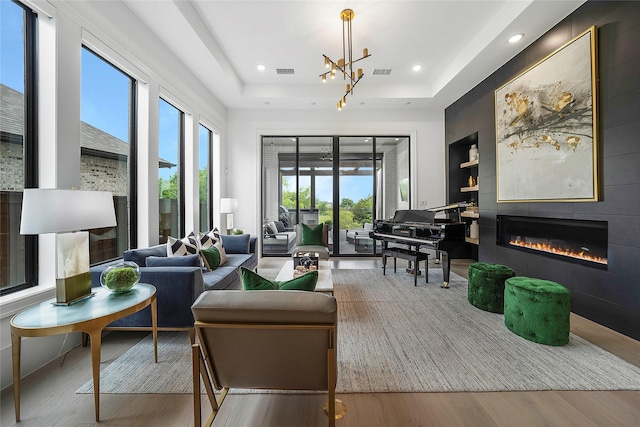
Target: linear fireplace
[[580, 241]]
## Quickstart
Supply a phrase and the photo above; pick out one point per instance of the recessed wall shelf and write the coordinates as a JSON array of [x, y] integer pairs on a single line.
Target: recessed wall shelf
[[468, 189], [469, 164]]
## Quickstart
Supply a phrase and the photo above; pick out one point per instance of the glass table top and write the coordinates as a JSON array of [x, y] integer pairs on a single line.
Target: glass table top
[[103, 303]]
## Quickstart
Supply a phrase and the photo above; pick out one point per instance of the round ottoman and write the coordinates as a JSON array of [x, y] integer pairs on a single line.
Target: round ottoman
[[537, 310], [486, 285]]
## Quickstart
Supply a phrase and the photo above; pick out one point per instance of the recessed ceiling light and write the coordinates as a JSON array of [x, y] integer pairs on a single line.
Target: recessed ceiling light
[[261, 67], [417, 67], [407, 103], [267, 103], [516, 38], [313, 103]]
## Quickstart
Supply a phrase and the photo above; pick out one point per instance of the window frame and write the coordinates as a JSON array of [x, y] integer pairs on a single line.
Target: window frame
[[30, 141], [132, 182]]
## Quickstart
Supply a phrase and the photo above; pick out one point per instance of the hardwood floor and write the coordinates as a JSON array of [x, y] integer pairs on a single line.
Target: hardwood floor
[[49, 399]]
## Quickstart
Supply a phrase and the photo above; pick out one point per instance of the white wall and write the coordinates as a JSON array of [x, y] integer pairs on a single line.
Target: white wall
[[243, 149]]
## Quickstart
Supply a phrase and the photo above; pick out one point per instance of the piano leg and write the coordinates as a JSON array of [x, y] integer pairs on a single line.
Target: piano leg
[[446, 266], [437, 258], [384, 263]]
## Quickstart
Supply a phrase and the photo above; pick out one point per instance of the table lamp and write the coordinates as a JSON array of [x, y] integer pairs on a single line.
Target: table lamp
[[228, 206], [64, 212]]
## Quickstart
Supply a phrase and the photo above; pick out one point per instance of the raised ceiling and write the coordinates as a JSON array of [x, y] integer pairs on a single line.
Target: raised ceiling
[[457, 43]]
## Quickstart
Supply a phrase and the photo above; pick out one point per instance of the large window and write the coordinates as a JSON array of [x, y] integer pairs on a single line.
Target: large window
[[107, 141], [205, 142], [18, 143], [170, 184]]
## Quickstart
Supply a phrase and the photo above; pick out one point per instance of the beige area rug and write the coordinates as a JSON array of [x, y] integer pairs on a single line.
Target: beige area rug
[[394, 337]]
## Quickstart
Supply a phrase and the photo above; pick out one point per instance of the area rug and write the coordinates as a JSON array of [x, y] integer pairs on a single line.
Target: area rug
[[394, 337]]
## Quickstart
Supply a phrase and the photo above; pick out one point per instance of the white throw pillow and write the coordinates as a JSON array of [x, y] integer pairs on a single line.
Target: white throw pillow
[[223, 254], [206, 240], [180, 247]]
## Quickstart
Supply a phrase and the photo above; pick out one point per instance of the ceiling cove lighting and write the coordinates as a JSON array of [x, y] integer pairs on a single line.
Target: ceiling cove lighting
[[344, 65], [516, 38]]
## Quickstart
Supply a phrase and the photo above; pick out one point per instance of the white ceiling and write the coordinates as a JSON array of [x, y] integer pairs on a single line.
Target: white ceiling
[[458, 44]]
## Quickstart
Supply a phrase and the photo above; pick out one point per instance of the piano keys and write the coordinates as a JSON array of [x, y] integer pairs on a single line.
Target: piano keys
[[416, 229]]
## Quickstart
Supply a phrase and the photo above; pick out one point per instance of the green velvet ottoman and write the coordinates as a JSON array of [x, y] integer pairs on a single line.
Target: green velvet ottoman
[[486, 285], [537, 310]]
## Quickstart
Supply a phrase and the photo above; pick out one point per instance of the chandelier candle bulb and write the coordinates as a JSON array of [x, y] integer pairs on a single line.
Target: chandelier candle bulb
[[327, 63], [365, 52], [348, 87], [324, 78], [359, 73]]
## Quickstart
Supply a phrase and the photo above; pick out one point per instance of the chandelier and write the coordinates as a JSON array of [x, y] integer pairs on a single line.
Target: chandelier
[[345, 64]]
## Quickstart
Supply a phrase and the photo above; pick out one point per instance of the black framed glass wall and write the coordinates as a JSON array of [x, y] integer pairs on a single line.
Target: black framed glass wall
[[18, 143], [344, 182], [107, 147]]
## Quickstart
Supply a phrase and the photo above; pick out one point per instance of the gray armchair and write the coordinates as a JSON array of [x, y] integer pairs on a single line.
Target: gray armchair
[[280, 340], [323, 250]]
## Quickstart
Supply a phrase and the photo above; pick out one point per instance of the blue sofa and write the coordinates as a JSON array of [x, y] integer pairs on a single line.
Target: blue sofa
[[178, 287]]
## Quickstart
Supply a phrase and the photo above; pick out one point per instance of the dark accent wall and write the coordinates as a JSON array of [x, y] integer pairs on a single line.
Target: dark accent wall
[[610, 297]]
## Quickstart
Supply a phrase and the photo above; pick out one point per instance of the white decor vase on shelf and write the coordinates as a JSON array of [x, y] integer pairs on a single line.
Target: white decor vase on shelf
[[473, 152], [474, 229]]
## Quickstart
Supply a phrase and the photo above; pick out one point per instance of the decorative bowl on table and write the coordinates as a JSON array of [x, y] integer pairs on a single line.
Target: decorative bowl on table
[[121, 277]]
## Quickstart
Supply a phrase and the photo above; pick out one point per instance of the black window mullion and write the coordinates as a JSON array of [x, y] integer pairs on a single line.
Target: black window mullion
[[31, 135]]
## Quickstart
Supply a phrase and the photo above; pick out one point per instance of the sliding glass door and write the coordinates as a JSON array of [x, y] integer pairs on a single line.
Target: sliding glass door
[[343, 182]]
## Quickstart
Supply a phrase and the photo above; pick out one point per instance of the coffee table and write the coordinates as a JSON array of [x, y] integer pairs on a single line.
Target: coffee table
[[91, 315], [325, 281]]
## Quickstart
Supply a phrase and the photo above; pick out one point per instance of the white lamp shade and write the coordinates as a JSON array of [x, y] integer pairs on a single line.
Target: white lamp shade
[[228, 205], [57, 211]]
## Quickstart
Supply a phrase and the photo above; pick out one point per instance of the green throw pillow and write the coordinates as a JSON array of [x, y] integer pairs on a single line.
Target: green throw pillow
[[306, 282], [211, 257], [312, 236], [252, 281]]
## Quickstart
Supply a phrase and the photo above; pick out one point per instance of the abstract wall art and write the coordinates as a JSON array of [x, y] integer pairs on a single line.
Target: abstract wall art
[[546, 133]]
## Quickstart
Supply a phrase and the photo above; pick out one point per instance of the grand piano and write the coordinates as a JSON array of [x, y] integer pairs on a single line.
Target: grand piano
[[410, 230]]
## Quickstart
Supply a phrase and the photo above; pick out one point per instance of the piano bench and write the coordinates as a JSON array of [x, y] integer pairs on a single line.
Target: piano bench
[[410, 255], [486, 286]]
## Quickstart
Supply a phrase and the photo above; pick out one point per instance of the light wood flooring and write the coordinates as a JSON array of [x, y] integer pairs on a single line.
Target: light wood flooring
[[49, 399]]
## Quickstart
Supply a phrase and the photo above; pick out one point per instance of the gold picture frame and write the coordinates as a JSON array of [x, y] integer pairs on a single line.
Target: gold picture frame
[[546, 128]]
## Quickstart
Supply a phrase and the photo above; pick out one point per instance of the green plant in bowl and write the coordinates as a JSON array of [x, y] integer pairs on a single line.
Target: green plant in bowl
[[237, 231], [121, 277]]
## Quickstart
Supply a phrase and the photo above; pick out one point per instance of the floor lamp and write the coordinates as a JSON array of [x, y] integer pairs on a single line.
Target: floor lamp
[[228, 206], [64, 212]]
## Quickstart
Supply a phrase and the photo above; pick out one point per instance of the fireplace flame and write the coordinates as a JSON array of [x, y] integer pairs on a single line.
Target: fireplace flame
[[546, 247]]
